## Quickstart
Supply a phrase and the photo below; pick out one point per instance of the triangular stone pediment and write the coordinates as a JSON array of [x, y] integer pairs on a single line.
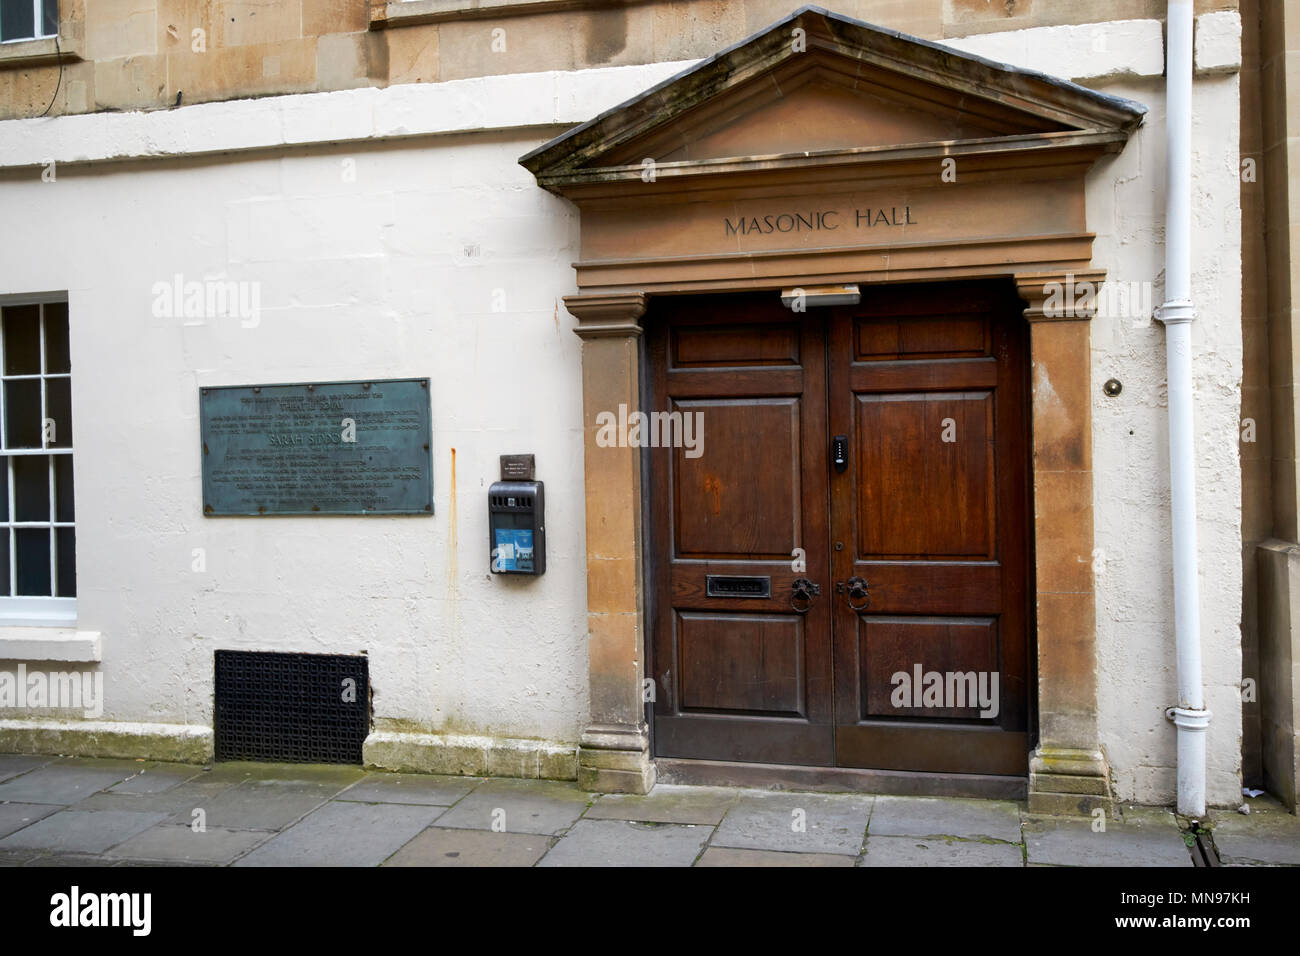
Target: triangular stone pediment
[[819, 113], [818, 88]]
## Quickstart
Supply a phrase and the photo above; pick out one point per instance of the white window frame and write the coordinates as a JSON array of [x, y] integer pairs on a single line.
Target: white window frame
[[38, 24], [30, 609]]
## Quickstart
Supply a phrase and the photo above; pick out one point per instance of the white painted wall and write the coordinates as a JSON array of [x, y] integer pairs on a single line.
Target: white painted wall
[[372, 279], [1134, 581], [1135, 637], [357, 280], [394, 274]]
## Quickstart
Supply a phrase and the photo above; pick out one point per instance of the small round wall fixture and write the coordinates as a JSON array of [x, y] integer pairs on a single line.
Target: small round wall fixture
[[1112, 387]]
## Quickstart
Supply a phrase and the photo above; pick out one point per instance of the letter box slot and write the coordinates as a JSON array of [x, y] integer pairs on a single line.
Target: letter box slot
[[750, 586]]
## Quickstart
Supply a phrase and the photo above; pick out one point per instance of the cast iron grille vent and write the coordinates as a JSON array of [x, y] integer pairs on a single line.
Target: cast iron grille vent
[[294, 708]]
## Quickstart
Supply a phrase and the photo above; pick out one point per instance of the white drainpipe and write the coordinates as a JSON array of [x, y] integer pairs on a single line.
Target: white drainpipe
[[1177, 313]]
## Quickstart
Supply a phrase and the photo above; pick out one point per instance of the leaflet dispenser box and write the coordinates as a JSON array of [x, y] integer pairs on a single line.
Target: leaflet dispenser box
[[517, 527]]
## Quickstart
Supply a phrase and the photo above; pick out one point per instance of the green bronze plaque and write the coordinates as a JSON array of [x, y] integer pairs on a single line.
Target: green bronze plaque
[[343, 448]]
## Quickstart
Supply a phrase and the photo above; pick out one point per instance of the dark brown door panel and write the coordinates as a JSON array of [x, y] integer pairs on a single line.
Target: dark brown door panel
[[929, 386], [917, 548], [740, 677]]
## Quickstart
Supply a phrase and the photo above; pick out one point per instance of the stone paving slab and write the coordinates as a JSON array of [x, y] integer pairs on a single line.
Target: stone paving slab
[[71, 859], [1268, 836], [667, 803], [156, 777], [17, 857], [154, 864], [80, 831], [182, 798], [519, 806], [11, 765], [337, 776], [1152, 839], [438, 846], [438, 791], [936, 816], [626, 843], [15, 816], [728, 856], [64, 783], [73, 811], [344, 834], [911, 851], [831, 823], [260, 805], [181, 844]]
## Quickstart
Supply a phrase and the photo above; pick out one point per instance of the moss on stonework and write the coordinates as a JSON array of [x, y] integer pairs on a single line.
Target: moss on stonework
[[73, 742], [449, 726], [481, 755]]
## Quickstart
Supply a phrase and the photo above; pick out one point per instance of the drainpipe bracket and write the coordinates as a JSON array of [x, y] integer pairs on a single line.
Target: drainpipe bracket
[[1188, 719], [1176, 311]]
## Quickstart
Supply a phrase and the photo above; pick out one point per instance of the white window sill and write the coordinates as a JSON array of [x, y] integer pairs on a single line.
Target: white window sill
[[18, 643], [38, 52]]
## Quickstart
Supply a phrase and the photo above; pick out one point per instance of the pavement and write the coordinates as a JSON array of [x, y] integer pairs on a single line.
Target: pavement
[[62, 811]]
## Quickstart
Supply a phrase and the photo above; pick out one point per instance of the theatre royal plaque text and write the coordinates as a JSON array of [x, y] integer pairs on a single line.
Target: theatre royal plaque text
[[352, 448]]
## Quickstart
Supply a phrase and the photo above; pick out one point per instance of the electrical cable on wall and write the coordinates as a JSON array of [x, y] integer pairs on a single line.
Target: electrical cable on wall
[[58, 85]]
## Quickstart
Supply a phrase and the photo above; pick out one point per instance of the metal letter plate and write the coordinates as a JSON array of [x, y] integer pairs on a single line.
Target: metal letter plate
[[284, 449], [732, 586]]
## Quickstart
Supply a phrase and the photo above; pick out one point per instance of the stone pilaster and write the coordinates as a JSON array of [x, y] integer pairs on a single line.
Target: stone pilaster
[[614, 752], [1068, 771]]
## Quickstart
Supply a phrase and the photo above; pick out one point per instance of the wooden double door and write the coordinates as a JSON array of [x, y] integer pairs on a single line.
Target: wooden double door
[[840, 554]]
